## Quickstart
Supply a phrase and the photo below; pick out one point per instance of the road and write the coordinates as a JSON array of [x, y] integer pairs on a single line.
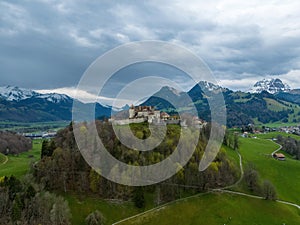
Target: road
[[277, 150]]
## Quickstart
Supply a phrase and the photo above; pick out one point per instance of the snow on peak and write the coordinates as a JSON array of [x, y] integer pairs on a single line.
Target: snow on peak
[[11, 93], [210, 86], [272, 86], [54, 97]]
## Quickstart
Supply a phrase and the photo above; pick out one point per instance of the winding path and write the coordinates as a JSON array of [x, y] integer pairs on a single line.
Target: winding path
[[6, 160], [277, 150]]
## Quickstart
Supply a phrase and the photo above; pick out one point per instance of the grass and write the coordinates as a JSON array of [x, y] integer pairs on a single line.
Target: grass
[[82, 206], [272, 135], [220, 209], [2, 158], [19, 165], [274, 105], [32, 127], [232, 209], [207, 209], [284, 175]]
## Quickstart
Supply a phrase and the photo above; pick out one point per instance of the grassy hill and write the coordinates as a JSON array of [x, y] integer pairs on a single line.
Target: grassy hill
[[18, 165], [231, 209], [283, 174], [2, 158], [206, 209], [272, 135], [220, 209]]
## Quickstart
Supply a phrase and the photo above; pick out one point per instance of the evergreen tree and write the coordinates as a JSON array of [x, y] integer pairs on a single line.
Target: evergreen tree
[[138, 197], [95, 218]]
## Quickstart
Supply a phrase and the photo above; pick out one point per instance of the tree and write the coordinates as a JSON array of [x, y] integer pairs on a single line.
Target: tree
[[47, 148], [236, 143], [16, 209], [138, 197], [269, 192], [95, 218], [251, 178], [44, 151], [95, 180], [60, 213]]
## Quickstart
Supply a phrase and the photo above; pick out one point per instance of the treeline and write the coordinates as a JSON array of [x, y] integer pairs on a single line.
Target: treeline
[[11, 143], [290, 145], [24, 202], [64, 168]]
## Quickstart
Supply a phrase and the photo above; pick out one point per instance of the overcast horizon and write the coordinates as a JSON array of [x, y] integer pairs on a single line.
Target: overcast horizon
[[48, 44]]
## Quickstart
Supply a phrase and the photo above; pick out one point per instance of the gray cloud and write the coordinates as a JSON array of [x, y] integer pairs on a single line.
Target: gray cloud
[[49, 44]]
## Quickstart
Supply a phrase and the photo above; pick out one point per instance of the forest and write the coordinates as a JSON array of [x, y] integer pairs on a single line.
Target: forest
[[62, 169], [290, 145], [11, 143]]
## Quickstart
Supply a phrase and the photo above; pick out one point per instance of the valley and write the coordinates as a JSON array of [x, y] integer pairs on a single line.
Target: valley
[[220, 194], [199, 208]]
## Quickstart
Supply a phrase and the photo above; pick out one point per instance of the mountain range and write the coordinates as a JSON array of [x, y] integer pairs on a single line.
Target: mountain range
[[269, 101], [23, 105]]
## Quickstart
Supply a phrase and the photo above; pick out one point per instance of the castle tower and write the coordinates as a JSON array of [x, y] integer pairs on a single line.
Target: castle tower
[[131, 112]]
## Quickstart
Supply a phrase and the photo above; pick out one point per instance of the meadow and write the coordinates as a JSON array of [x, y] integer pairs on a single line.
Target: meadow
[[231, 209], [210, 208], [284, 175], [216, 208], [19, 165], [275, 134], [3, 159]]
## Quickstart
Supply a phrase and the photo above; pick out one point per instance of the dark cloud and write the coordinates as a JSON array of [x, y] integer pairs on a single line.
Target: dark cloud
[[49, 44]]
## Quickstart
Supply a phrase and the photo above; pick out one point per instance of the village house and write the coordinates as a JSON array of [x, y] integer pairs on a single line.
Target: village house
[[279, 156]]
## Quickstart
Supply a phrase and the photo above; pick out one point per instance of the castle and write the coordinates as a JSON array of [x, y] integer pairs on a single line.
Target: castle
[[139, 114], [147, 112]]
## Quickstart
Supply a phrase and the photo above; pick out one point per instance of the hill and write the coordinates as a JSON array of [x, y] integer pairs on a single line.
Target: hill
[[219, 209]]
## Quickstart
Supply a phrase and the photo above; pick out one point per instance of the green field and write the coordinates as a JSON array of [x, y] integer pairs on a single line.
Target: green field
[[2, 158], [32, 127], [285, 175], [272, 135], [19, 165], [220, 209], [206, 209], [232, 209], [82, 206]]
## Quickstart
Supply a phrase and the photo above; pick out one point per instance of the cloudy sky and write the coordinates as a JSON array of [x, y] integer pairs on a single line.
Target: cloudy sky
[[48, 44]]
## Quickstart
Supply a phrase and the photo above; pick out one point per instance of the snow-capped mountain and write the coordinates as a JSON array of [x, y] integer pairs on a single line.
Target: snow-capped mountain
[[11, 93], [210, 86], [23, 105], [272, 86], [54, 97]]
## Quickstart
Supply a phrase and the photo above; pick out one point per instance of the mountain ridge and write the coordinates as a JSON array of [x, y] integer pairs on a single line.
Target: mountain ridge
[[25, 105], [243, 108], [18, 104]]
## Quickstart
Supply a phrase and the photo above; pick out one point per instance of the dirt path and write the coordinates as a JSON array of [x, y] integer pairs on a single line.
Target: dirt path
[[277, 150], [6, 160]]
